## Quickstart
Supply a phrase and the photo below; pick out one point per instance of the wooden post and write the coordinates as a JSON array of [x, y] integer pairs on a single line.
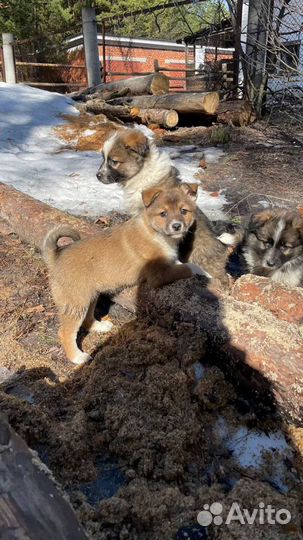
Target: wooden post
[[237, 52], [9, 58], [91, 50], [156, 65], [103, 52]]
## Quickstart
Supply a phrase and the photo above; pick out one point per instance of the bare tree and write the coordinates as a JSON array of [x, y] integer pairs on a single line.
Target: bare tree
[[269, 54]]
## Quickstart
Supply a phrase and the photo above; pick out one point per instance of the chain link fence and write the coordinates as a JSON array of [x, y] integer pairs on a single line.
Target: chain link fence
[[271, 67]]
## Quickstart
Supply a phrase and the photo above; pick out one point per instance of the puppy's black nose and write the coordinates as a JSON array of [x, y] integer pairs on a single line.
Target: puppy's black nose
[[99, 175], [176, 226], [270, 263]]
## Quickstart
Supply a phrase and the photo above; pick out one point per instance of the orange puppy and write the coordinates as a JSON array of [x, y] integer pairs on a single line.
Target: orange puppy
[[142, 249]]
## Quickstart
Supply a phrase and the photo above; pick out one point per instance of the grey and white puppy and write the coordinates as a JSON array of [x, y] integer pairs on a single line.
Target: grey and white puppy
[[273, 246]]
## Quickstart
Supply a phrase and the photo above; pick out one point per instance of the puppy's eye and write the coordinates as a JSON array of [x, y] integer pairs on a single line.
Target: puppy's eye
[[285, 247], [184, 211], [163, 214], [267, 243], [113, 161]]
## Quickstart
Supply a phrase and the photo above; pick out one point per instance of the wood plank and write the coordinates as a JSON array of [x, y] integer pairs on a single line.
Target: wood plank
[[31, 505]]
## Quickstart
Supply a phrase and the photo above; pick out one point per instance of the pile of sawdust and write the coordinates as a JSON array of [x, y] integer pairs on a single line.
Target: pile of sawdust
[[86, 132]]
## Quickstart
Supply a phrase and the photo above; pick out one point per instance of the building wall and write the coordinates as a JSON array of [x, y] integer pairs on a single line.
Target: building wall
[[121, 59], [127, 56]]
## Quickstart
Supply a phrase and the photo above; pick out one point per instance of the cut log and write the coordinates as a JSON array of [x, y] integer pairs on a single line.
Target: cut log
[[105, 94], [32, 219], [99, 106], [163, 117], [259, 352], [255, 347], [31, 506], [201, 103], [199, 134], [155, 84], [108, 94], [236, 113]]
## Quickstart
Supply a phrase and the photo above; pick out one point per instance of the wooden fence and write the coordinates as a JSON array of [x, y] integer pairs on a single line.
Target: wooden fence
[[193, 79]]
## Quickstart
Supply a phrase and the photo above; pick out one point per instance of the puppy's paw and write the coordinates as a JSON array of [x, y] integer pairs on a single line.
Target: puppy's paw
[[198, 270], [101, 326], [81, 358]]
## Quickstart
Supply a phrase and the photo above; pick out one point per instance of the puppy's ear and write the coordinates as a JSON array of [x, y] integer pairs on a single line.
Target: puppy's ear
[[150, 195], [191, 190], [258, 220], [135, 141]]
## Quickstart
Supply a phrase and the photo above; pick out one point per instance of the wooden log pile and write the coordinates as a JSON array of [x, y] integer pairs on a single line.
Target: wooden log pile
[[146, 99]]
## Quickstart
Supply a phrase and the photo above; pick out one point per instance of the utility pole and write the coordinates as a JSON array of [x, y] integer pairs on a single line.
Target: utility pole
[[9, 58], [90, 36]]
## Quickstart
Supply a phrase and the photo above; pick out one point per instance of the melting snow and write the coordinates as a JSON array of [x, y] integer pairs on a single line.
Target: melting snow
[[35, 161], [252, 449]]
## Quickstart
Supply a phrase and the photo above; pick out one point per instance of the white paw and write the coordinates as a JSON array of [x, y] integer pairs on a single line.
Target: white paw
[[81, 358], [101, 326]]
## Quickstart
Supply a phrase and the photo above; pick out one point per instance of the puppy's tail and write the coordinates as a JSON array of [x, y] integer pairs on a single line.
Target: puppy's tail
[[50, 250], [232, 236], [230, 239]]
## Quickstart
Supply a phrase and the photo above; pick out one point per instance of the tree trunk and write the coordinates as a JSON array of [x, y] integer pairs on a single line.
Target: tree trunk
[[163, 117], [192, 102], [236, 113], [31, 507], [156, 84]]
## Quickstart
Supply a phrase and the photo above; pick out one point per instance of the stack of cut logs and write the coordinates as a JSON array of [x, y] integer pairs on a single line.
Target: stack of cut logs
[[146, 99]]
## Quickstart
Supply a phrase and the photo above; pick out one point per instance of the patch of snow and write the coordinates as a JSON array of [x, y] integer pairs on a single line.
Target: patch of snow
[[35, 161], [252, 449], [212, 154], [248, 446], [33, 158], [265, 204], [188, 164]]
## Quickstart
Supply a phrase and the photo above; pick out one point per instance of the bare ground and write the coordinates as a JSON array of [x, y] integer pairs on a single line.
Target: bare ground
[[262, 164], [133, 438]]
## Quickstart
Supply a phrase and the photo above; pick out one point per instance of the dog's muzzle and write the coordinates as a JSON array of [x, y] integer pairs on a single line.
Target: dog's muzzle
[[176, 227], [99, 175]]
